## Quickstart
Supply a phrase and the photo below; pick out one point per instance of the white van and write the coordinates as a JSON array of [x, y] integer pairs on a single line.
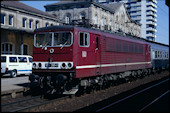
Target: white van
[[16, 64]]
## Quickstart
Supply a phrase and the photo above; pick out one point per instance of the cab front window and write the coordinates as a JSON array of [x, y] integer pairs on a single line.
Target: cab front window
[[43, 39], [53, 39], [62, 38]]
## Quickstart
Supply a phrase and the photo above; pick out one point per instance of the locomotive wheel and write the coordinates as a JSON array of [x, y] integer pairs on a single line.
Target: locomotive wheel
[[80, 92], [88, 90]]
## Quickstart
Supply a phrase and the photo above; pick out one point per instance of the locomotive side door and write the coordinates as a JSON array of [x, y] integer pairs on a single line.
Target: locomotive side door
[[97, 54]]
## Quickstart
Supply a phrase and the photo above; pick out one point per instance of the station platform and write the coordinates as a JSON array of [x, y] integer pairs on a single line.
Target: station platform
[[14, 85]]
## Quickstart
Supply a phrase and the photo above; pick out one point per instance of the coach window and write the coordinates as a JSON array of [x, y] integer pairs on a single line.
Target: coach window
[[163, 54], [156, 54], [160, 54], [167, 55], [46, 24], [84, 39]]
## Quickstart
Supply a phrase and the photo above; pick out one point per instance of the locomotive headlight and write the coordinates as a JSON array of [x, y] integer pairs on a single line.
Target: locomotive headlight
[[69, 65], [34, 65], [63, 65], [39, 65]]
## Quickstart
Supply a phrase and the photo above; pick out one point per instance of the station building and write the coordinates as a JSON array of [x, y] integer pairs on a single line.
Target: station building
[[18, 22], [113, 17]]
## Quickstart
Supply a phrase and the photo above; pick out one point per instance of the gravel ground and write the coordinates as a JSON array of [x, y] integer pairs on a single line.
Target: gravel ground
[[75, 103]]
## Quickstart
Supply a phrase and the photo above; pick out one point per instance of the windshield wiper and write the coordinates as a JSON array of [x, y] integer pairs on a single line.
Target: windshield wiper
[[44, 45], [63, 45]]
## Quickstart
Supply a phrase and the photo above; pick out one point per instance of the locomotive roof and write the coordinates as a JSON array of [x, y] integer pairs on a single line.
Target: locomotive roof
[[70, 27]]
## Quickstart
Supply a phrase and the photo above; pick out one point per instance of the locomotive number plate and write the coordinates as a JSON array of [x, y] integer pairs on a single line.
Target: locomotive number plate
[[51, 65]]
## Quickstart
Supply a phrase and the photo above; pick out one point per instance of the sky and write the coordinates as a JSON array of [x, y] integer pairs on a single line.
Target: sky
[[162, 34]]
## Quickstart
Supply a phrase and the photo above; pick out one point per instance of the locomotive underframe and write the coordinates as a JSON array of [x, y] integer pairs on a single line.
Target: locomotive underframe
[[65, 82]]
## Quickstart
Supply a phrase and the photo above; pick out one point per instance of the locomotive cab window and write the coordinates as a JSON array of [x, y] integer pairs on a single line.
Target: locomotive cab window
[[84, 39], [53, 39], [43, 39], [62, 38], [97, 42]]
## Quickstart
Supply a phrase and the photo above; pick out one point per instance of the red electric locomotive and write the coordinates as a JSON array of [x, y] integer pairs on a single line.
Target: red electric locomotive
[[67, 58]]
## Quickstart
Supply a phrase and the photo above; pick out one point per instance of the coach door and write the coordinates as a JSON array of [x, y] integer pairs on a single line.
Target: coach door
[[97, 54]]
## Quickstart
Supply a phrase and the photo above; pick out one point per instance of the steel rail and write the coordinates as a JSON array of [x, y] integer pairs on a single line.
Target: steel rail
[[27, 108], [16, 102], [131, 95], [34, 102], [153, 101]]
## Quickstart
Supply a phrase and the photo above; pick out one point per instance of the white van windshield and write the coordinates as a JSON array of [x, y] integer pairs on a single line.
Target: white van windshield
[[3, 58]]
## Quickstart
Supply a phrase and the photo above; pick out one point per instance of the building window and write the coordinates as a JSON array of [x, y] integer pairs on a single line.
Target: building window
[[11, 20], [36, 24], [2, 18], [68, 19], [25, 49], [30, 23], [24, 20], [95, 19], [82, 16], [7, 48]]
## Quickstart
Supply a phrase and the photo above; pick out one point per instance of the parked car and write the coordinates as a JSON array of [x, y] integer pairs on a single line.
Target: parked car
[[16, 65]]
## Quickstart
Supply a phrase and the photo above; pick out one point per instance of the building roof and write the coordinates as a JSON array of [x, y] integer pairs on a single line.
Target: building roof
[[62, 3], [113, 6], [19, 5]]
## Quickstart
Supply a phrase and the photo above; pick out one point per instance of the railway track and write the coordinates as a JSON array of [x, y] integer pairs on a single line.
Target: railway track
[[29, 104]]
